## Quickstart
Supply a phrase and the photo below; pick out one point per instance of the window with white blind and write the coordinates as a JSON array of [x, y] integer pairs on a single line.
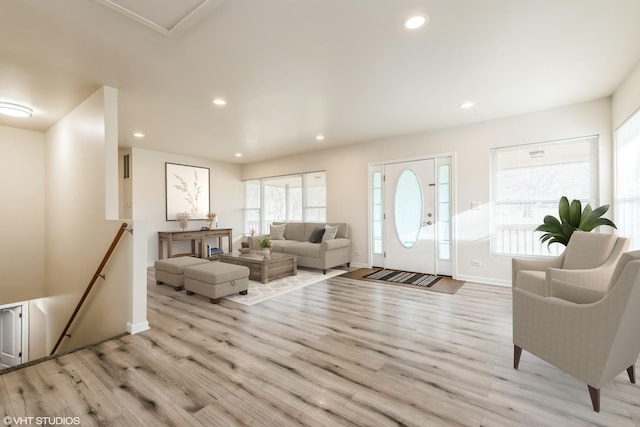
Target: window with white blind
[[627, 189], [290, 198], [527, 181]]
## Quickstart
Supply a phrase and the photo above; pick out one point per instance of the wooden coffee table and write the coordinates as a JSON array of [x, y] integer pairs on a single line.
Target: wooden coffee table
[[262, 268]]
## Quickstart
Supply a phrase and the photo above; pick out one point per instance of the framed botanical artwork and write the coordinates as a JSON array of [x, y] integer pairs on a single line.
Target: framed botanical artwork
[[187, 190]]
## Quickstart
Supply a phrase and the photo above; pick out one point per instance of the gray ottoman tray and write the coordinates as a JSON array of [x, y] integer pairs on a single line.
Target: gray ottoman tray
[[171, 271], [216, 280]]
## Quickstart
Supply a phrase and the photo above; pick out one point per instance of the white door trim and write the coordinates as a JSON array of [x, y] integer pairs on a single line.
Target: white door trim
[[25, 326], [453, 202]]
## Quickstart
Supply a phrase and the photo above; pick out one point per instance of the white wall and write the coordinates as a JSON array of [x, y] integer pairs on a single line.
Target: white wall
[[347, 174], [77, 234], [626, 99], [148, 172], [22, 215]]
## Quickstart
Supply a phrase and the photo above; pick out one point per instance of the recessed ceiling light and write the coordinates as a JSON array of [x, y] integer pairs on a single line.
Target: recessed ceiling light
[[220, 101], [320, 137], [467, 104], [238, 154], [138, 135], [15, 110], [415, 22]]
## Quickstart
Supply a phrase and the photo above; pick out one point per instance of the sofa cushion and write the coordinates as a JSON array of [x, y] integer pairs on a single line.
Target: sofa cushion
[[295, 231], [304, 249], [276, 232], [316, 235], [588, 250], [343, 229], [329, 232], [281, 245], [531, 281], [575, 294]]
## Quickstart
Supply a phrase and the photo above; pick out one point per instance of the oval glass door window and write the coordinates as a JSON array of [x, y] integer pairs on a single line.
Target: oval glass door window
[[408, 208]]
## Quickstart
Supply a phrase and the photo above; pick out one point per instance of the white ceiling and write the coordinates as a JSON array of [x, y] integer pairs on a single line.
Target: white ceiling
[[291, 69]]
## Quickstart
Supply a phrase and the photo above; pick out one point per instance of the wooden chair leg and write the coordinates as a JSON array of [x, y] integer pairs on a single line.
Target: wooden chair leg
[[595, 398], [517, 352], [631, 370]]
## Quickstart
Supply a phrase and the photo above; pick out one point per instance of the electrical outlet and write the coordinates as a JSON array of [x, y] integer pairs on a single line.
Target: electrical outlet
[[476, 263]]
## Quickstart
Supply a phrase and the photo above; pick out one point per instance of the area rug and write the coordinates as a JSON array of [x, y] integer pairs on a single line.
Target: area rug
[[443, 284], [259, 292]]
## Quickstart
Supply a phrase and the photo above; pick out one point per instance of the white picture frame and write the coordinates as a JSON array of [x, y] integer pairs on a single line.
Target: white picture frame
[[187, 190]]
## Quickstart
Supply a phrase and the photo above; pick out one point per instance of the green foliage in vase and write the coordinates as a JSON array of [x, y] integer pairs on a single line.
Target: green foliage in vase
[[572, 217], [264, 243]]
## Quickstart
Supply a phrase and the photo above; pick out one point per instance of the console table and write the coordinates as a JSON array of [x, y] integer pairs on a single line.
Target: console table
[[202, 235]]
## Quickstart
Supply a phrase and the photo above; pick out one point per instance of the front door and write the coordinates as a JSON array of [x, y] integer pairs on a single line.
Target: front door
[[10, 336], [410, 216]]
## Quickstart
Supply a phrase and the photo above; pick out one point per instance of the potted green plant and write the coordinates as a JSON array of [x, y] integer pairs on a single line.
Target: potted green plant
[[265, 245], [572, 217]]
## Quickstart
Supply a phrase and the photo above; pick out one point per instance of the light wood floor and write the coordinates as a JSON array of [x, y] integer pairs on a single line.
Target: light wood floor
[[335, 353]]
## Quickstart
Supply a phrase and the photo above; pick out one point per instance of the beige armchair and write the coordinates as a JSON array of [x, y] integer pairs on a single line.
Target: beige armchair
[[593, 341], [589, 259]]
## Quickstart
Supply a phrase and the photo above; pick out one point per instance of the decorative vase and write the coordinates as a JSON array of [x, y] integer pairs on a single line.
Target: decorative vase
[[266, 252], [183, 222]]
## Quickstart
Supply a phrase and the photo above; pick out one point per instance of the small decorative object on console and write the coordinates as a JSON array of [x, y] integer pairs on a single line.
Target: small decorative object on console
[[211, 216], [183, 219]]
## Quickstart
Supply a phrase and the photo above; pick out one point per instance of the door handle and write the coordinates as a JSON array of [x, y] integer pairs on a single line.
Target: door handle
[[425, 223]]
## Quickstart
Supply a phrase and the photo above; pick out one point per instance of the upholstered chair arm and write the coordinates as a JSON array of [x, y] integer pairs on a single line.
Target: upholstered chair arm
[[518, 264], [334, 244], [571, 336], [593, 342]]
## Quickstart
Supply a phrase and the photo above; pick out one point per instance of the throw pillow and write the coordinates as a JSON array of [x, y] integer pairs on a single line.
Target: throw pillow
[[276, 232], [329, 232], [316, 235]]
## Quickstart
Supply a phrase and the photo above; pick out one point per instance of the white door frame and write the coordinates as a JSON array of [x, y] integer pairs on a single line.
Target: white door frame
[[25, 326], [377, 166]]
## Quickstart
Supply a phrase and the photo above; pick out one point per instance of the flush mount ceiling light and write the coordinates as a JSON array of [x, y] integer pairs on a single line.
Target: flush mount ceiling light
[[467, 104], [238, 154], [15, 110], [138, 135], [220, 102], [415, 22], [319, 137]]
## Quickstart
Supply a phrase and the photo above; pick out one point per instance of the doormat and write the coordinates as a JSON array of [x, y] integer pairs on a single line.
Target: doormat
[[442, 284], [406, 277]]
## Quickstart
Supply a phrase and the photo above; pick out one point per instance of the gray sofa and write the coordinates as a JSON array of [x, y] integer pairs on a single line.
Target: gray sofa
[[323, 255]]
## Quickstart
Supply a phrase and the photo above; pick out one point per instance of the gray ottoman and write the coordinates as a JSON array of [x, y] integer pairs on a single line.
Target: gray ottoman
[[171, 271], [216, 280]]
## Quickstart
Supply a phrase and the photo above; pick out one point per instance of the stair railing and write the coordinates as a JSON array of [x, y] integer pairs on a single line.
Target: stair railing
[[97, 274]]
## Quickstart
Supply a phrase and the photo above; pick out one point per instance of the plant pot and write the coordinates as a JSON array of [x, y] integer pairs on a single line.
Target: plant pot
[[266, 252]]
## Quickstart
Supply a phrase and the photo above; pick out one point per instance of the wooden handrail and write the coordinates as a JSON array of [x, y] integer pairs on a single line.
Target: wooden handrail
[[107, 255]]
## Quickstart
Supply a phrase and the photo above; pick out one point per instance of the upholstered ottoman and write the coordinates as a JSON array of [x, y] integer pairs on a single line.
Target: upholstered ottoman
[[171, 271], [216, 280]]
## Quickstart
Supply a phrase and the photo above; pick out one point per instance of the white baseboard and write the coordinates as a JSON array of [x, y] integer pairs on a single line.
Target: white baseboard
[[138, 327], [483, 280], [358, 265]]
